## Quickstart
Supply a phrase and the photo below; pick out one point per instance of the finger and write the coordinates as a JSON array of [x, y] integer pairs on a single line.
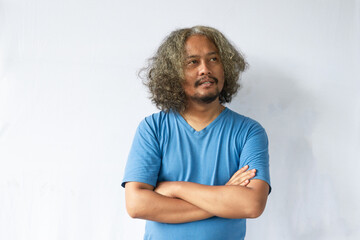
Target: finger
[[240, 183], [245, 183], [241, 170], [240, 179], [247, 175], [241, 175], [251, 172]]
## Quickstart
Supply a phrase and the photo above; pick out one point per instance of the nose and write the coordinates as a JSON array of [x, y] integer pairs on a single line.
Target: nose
[[204, 69]]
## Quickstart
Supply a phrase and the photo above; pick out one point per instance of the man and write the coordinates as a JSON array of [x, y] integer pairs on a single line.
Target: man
[[196, 170]]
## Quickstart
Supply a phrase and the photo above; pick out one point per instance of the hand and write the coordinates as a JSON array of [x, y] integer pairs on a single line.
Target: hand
[[242, 177], [166, 188]]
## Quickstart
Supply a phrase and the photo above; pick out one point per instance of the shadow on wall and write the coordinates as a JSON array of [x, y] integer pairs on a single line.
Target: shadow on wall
[[302, 201]]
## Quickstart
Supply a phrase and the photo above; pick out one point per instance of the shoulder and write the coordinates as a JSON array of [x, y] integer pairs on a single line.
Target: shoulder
[[246, 123], [155, 122], [244, 127]]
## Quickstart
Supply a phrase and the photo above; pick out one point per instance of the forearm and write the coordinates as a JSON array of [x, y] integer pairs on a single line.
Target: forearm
[[222, 201], [149, 205]]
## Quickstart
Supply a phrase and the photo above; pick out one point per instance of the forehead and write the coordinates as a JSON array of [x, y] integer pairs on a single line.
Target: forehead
[[199, 45]]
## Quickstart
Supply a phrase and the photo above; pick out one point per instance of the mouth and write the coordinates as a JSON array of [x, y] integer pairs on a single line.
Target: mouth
[[206, 81]]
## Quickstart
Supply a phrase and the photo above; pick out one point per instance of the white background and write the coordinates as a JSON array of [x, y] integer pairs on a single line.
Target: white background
[[70, 101]]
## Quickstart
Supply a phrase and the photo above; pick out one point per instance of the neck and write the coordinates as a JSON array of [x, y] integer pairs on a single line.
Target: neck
[[199, 116]]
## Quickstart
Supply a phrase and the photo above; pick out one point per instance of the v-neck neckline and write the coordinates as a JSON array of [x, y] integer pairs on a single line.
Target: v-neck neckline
[[205, 129]]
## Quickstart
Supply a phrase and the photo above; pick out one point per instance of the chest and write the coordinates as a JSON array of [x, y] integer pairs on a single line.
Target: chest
[[209, 159]]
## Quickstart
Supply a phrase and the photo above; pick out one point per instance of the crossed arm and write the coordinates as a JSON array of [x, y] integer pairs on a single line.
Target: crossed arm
[[179, 202]]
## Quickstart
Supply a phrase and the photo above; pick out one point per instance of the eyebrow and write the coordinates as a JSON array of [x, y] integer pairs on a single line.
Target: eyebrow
[[208, 54]]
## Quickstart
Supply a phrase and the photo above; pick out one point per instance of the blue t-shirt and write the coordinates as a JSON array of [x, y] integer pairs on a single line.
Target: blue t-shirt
[[167, 148]]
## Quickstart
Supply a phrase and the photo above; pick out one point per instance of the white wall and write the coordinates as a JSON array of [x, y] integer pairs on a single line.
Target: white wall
[[70, 102]]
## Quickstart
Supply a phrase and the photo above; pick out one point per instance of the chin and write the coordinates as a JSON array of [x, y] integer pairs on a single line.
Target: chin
[[209, 98]]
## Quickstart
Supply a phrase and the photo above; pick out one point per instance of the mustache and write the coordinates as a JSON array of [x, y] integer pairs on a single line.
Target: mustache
[[197, 83]]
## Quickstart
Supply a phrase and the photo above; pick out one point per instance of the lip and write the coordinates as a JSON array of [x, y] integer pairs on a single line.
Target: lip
[[206, 85], [207, 81]]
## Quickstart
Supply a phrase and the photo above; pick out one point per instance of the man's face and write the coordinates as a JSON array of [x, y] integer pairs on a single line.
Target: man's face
[[203, 70]]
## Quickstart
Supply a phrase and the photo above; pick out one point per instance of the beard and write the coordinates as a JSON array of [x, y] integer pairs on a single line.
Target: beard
[[209, 98]]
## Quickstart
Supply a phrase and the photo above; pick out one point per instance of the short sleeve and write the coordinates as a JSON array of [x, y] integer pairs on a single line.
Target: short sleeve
[[144, 159], [255, 153]]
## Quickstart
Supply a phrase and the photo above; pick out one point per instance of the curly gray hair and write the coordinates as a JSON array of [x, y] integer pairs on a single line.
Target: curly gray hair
[[164, 75]]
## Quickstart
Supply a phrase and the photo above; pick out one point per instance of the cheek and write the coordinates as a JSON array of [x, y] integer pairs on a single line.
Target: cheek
[[187, 87], [221, 86], [221, 72], [186, 84], [222, 79]]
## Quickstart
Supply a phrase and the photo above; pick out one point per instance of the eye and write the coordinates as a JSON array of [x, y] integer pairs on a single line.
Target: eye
[[192, 62], [214, 59]]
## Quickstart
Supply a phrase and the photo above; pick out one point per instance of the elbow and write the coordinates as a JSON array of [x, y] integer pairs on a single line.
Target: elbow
[[250, 211], [135, 200], [138, 207], [256, 210], [134, 205], [131, 210], [135, 210], [255, 213]]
